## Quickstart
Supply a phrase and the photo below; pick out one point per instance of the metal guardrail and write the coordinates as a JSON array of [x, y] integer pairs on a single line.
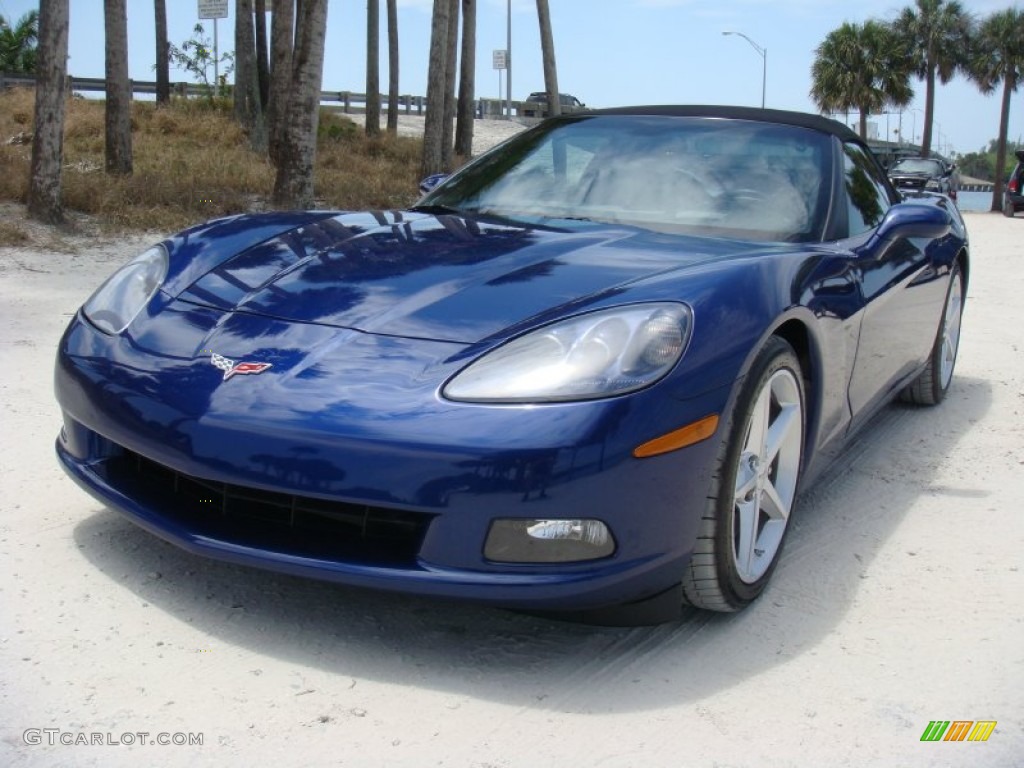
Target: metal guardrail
[[349, 102]]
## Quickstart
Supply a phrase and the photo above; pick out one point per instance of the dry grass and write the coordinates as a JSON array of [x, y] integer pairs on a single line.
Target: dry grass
[[12, 234], [192, 162]]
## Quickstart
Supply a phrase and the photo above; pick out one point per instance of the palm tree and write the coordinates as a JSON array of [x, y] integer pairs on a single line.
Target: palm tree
[[997, 56], [118, 109], [862, 67], [372, 68], [433, 124], [44, 199], [450, 67], [293, 187], [547, 46], [163, 53], [282, 35], [935, 34], [467, 82], [262, 68], [248, 110], [18, 43], [393, 67]]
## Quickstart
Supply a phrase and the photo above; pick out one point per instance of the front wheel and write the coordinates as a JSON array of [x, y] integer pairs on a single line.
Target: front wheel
[[754, 486], [931, 386]]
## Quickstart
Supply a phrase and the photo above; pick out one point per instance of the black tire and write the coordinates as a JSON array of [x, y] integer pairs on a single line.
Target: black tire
[[715, 578], [931, 386], [1009, 209]]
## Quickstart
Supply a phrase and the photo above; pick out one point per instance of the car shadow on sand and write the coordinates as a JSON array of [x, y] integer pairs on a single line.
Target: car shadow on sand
[[843, 523]]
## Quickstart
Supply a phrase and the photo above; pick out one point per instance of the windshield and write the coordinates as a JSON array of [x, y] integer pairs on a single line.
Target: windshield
[[735, 178], [918, 165]]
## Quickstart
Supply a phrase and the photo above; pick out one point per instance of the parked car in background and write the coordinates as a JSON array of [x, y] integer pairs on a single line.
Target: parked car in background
[[536, 104], [1013, 195], [925, 174]]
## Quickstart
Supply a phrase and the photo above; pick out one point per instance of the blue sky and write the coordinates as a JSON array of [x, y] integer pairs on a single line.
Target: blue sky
[[610, 52]]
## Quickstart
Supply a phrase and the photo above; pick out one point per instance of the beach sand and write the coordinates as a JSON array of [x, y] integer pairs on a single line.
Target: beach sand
[[897, 602]]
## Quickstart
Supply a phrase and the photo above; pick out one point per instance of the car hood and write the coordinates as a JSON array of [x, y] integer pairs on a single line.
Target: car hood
[[443, 278]]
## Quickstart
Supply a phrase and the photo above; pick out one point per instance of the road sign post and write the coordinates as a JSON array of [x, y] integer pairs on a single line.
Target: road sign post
[[214, 9], [499, 59]]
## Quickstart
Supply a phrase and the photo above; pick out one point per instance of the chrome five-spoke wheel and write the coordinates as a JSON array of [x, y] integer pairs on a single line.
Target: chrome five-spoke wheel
[[754, 485], [950, 335], [766, 475], [930, 387]]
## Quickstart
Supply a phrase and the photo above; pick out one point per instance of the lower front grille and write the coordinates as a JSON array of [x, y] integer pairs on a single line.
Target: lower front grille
[[277, 522]]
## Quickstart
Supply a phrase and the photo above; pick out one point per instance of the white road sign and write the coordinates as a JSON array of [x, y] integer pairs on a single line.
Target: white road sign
[[213, 9], [500, 59]]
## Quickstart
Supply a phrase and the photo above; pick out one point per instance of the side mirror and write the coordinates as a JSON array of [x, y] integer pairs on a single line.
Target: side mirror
[[915, 219], [432, 181]]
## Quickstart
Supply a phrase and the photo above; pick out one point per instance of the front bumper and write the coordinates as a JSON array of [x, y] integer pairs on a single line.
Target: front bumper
[[653, 549], [435, 478]]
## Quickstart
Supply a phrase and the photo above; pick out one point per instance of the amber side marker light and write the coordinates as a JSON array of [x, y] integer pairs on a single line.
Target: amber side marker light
[[679, 438]]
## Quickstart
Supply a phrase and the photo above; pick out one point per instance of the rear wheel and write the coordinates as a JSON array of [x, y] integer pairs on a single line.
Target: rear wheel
[[931, 386], [754, 487], [1008, 209]]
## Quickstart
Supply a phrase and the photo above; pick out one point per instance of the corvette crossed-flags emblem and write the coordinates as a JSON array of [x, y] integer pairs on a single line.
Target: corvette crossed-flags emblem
[[230, 367]]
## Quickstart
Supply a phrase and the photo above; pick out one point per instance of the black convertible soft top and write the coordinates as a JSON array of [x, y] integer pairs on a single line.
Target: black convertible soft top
[[802, 119]]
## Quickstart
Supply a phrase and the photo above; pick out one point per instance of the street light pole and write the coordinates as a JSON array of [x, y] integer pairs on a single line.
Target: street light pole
[[763, 53]]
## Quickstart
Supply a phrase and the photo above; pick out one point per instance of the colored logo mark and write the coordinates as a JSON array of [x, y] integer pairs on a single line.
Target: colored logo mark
[[230, 367], [958, 730]]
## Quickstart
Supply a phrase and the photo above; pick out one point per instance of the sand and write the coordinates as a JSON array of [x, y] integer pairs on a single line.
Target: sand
[[486, 133], [898, 602]]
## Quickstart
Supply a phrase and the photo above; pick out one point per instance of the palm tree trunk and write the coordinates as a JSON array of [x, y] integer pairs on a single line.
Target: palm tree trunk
[[262, 67], [467, 82], [248, 112], [433, 125], [1009, 86], [372, 68], [547, 46], [44, 199], [282, 36], [929, 111], [118, 114], [293, 187], [451, 65], [163, 75], [393, 67]]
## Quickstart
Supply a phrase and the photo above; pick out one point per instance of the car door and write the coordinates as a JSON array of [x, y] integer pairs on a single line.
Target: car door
[[900, 288]]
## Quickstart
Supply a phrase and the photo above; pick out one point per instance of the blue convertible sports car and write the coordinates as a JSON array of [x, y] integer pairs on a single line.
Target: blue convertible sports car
[[589, 371]]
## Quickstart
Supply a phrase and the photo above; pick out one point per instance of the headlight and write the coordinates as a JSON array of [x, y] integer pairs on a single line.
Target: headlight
[[932, 184], [604, 353], [116, 303]]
